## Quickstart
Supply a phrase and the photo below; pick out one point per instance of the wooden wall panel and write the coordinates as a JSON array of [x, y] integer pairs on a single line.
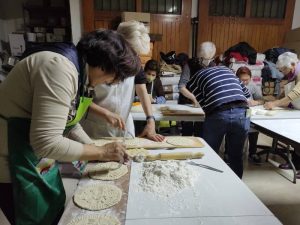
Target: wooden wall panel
[[225, 32], [175, 29], [175, 34]]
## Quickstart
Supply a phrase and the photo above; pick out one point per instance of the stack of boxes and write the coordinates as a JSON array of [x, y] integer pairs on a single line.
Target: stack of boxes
[[170, 85]]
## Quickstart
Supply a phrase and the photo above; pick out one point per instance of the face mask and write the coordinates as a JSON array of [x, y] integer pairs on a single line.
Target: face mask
[[150, 78]]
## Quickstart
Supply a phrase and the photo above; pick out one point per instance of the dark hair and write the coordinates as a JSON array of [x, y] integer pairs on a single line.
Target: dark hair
[[182, 59], [108, 50], [243, 70], [152, 65]]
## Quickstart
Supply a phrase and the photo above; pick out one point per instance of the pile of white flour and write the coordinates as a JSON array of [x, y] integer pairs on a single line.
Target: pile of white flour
[[167, 178]]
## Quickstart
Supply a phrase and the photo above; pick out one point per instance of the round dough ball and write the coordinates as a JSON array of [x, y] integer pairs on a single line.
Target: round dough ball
[[97, 197], [270, 113], [261, 112]]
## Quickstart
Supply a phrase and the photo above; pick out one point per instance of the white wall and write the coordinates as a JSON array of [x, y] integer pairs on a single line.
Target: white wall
[[296, 18], [76, 20]]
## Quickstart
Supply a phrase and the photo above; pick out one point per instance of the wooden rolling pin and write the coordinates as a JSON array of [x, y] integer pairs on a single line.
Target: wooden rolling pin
[[176, 155]]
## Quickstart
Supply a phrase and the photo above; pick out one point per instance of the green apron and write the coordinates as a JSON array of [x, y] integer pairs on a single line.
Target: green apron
[[38, 197]]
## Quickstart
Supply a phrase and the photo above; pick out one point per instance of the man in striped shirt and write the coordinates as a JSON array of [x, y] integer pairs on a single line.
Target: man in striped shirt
[[224, 100]]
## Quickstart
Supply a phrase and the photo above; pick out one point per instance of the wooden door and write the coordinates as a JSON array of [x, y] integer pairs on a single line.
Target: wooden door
[[260, 33], [175, 29]]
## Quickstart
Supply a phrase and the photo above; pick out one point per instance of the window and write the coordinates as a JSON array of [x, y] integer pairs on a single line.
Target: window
[[273, 9], [115, 5], [162, 6], [227, 8]]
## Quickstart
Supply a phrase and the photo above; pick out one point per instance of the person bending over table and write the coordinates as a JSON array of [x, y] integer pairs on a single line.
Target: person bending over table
[[44, 97], [154, 85], [109, 113], [256, 98], [289, 64], [206, 54], [224, 100]]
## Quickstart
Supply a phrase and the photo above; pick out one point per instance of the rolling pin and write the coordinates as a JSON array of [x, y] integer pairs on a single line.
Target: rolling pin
[[176, 155]]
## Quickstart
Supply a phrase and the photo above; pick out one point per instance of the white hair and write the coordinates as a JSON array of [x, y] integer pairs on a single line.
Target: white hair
[[287, 60], [207, 50], [136, 34]]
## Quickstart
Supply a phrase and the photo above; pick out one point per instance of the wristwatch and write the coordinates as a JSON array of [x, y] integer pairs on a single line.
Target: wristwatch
[[150, 117]]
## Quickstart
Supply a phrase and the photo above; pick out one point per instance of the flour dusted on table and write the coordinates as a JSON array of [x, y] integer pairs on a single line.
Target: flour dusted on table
[[167, 178]]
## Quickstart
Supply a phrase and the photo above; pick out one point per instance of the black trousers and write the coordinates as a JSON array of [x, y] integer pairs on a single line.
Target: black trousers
[[190, 128], [253, 136]]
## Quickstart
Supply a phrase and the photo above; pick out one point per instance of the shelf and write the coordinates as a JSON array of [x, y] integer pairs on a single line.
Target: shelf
[[47, 9], [47, 26], [49, 17]]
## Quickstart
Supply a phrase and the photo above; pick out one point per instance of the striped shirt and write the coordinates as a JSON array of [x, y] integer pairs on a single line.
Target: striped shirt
[[216, 86]]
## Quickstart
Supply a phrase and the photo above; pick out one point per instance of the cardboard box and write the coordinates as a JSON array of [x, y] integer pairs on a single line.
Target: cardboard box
[[17, 44], [268, 90], [172, 96], [144, 59], [292, 35], [171, 88], [269, 84], [292, 40], [138, 16]]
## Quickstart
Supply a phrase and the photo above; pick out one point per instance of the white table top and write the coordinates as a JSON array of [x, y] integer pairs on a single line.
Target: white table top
[[288, 128], [244, 220], [216, 196], [140, 116], [280, 113]]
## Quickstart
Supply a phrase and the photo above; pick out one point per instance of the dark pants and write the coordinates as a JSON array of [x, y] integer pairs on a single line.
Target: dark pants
[[233, 124], [190, 128], [6, 201], [253, 136], [296, 159]]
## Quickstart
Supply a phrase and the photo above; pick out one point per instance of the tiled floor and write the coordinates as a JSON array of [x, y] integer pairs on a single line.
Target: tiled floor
[[274, 188], [270, 185]]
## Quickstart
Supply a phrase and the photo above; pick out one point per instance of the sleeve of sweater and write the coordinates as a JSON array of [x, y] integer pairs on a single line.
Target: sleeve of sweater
[[257, 93], [54, 86], [185, 76], [295, 93], [78, 134]]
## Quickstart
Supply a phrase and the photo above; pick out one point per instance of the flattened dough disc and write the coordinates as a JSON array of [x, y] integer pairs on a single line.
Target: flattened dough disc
[[108, 171], [97, 197]]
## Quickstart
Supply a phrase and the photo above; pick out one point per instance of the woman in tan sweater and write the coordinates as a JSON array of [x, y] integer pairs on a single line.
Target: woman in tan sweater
[[39, 98]]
